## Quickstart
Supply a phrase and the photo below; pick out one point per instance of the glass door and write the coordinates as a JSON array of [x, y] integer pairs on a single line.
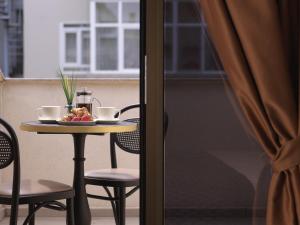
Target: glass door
[[214, 171], [201, 165]]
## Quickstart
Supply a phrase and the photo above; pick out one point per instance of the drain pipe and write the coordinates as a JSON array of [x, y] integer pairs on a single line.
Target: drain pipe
[[2, 80]]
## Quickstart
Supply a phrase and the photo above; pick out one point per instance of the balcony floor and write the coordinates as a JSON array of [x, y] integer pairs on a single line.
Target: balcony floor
[[135, 221], [213, 221], [61, 221]]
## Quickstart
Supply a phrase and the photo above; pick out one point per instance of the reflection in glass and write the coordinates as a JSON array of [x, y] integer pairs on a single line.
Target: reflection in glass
[[188, 12], [85, 47], [169, 11], [168, 47], [107, 12], [131, 50], [71, 47], [131, 12], [231, 176], [189, 49], [106, 49], [210, 56]]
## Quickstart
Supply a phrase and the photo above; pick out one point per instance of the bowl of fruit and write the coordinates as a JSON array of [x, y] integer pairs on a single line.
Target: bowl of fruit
[[78, 117]]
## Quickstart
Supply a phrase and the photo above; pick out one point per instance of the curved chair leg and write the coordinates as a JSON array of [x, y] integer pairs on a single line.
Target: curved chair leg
[[14, 215], [114, 207], [70, 211], [31, 210], [122, 216], [117, 204], [112, 202]]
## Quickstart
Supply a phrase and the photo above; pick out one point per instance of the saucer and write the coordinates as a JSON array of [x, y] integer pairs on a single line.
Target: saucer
[[48, 121], [76, 123], [116, 120]]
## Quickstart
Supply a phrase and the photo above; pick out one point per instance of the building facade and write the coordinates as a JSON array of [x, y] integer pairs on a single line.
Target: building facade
[[11, 38]]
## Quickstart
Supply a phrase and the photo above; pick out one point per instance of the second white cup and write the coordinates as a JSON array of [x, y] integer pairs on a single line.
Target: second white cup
[[107, 113], [49, 112]]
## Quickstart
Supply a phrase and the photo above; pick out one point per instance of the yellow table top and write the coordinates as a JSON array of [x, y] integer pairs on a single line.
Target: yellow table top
[[36, 126]]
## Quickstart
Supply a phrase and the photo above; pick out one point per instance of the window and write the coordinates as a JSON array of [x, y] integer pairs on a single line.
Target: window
[[75, 47], [188, 50], [108, 45], [115, 36]]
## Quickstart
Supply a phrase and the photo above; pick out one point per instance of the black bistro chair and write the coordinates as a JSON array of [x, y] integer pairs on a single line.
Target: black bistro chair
[[118, 178], [40, 194]]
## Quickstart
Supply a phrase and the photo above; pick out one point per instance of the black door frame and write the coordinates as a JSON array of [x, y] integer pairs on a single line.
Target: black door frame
[[142, 110], [152, 100]]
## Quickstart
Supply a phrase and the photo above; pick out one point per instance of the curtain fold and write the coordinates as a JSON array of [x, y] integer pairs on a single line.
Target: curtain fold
[[258, 45]]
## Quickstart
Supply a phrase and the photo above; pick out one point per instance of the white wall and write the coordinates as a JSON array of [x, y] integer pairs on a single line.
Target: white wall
[[50, 156], [41, 32]]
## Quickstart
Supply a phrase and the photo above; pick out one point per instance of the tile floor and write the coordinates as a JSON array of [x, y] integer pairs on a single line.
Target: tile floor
[[211, 221], [61, 221], [135, 221]]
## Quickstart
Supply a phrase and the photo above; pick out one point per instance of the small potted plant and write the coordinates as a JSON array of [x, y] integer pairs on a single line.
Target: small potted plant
[[69, 87]]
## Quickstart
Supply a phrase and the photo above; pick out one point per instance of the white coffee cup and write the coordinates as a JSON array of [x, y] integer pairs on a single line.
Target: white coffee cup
[[107, 113], [49, 112]]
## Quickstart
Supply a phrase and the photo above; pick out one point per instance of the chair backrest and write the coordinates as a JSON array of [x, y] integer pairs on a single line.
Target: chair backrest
[[9, 153], [127, 141]]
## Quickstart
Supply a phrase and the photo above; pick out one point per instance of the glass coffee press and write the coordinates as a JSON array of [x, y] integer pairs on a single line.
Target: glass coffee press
[[84, 99]]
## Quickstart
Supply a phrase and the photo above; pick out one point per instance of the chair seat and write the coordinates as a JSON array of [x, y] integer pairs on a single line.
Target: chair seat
[[113, 177], [36, 191]]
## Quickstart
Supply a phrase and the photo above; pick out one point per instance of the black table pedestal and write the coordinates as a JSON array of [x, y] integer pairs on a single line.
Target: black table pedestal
[[81, 206]]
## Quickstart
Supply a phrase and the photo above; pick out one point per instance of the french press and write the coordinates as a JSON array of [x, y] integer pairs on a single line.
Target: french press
[[85, 99]]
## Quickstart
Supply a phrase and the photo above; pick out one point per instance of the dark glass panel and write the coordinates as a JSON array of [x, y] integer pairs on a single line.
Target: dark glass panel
[[189, 12], [189, 49]]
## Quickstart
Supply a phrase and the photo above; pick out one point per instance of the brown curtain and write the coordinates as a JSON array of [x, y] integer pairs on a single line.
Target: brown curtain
[[258, 44]]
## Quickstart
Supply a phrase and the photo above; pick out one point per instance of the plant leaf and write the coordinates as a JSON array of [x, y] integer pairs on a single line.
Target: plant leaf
[[69, 86]]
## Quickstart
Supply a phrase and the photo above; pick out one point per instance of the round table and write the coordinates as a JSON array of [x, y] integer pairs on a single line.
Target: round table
[[81, 207]]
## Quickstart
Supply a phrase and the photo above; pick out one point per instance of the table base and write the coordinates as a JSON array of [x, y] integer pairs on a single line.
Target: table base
[[81, 206]]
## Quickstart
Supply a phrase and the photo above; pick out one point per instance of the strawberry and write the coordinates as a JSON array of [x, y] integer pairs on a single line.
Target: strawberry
[[76, 119], [86, 118]]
